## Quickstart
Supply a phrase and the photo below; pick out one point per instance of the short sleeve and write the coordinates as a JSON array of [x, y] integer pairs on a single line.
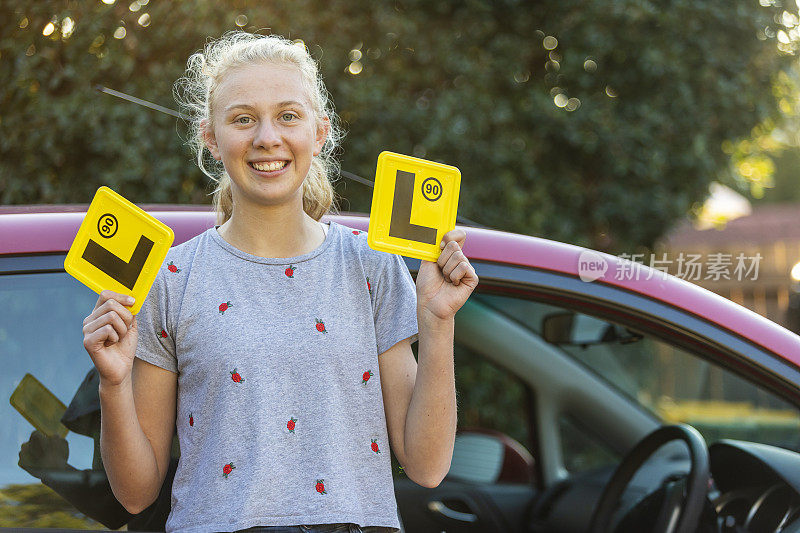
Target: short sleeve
[[395, 306], [156, 342]]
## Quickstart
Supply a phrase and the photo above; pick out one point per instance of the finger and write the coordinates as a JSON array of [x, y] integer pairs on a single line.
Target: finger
[[123, 312], [110, 319], [457, 234], [110, 334], [106, 301], [110, 305], [102, 337], [36, 444], [448, 251], [462, 272], [456, 258], [99, 339], [106, 295]]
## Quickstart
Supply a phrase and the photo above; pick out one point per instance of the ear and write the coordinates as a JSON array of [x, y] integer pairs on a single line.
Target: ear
[[209, 139], [323, 128]]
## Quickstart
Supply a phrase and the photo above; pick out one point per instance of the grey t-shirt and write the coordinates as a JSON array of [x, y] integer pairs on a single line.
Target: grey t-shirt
[[280, 415]]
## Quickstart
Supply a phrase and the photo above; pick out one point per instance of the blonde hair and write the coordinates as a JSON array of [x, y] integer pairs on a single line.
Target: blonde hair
[[194, 92]]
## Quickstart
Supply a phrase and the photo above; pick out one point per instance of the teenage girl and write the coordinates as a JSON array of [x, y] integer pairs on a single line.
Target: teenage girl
[[278, 346]]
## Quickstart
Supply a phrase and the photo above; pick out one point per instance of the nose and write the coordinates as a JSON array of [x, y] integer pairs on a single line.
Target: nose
[[266, 136]]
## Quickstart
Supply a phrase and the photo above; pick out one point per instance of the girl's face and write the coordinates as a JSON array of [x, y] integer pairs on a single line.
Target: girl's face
[[264, 130]]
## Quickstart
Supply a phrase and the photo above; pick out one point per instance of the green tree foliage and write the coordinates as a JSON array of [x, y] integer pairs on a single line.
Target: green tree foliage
[[597, 122], [764, 165]]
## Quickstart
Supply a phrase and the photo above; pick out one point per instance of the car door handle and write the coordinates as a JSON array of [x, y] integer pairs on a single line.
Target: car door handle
[[438, 507]]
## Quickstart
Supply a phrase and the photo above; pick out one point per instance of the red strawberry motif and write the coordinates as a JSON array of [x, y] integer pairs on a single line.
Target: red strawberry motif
[[321, 326], [163, 334], [289, 271], [173, 268], [365, 377], [321, 486], [191, 419], [224, 307], [356, 232], [236, 377], [290, 424], [227, 469], [375, 446], [369, 287]]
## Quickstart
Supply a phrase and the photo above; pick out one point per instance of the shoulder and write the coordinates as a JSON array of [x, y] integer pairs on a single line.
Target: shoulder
[[180, 257], [173, 275], [177, 265], [354, 242]]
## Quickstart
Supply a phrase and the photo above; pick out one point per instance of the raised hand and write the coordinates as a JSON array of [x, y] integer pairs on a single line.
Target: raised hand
[[110, 336], [444, 286]]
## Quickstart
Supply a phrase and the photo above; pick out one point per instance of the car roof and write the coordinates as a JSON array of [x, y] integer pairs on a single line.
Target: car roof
[[52, 228]]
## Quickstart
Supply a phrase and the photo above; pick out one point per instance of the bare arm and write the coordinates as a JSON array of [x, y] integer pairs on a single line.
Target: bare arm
[[420, 401], [137, 402], [420, 404], [137, 426]]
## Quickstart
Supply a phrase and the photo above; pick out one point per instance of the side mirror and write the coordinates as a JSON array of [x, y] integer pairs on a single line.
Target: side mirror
[[557, 327], [576, 329], [485, 456]]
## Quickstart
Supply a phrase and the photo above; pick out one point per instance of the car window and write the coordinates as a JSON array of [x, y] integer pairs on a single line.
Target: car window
[[48, 475], [668, 381], [489, 397], [581, 449]]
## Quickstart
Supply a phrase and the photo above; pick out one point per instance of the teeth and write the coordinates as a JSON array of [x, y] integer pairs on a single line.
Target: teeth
[[269, 167]]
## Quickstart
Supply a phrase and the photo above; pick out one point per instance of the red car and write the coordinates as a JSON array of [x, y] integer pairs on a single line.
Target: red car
[[587, 401]]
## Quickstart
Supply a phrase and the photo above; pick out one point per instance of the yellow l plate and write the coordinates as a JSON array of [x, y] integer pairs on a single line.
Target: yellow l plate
[[414, 204], [118, 247]]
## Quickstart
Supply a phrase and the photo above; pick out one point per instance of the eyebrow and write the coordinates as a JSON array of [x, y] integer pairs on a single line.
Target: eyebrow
[[285, 103]]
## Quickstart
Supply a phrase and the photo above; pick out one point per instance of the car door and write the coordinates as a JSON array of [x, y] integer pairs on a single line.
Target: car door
[[586, 404], [493, 477]]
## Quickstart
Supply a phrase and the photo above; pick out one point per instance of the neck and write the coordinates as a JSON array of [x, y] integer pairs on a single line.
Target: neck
[[274, 231]]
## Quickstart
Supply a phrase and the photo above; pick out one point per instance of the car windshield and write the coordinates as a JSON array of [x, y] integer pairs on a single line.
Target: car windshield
[[673, 384]]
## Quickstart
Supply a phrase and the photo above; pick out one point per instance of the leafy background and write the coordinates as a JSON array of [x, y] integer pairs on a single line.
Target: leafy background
[[596, 122]]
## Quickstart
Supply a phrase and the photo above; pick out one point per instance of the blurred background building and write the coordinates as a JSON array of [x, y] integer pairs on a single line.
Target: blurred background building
[[730, 226]]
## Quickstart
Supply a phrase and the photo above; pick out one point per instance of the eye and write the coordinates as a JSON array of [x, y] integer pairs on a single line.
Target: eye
[[244, 119], [288, 117]]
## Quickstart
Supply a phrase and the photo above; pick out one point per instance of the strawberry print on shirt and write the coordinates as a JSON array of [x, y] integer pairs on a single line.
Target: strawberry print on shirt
[[365, 377], [172, 268], [224, 306], [290, 424], [227, 469], [236, 377], [162, 334], [289, 271], [320, 486], [321, 326], [374, 446]]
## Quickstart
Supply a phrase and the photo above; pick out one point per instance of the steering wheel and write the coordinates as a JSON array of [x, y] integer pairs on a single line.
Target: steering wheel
[[696, 484]]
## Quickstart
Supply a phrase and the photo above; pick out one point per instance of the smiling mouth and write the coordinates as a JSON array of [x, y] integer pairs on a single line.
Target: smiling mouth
[[272, 166]]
